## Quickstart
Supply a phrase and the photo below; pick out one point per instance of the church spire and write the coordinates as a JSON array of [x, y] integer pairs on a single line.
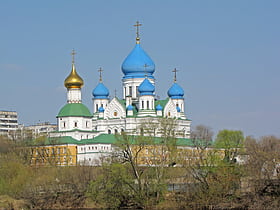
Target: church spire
[[137, 32]]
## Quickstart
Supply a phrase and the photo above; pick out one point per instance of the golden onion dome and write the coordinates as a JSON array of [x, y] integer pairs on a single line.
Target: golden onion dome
[[73, 80]]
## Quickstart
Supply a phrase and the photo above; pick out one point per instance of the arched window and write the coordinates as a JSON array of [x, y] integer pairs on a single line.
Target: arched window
[[75, 124], [115, 113], [148, 105], [116, 131], [109, 131]]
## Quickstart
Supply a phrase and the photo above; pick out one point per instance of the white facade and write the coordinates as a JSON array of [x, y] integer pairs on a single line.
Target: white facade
[[8, 122], [94, 154]]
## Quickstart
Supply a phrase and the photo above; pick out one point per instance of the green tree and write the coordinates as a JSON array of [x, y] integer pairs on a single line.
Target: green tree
[[232, 142], [113, 187]]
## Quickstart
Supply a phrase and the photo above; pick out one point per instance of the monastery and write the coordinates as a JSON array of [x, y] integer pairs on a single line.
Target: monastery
[[85, 135]]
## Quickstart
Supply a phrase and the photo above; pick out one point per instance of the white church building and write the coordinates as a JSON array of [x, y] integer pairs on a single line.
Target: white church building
[[138, 104]]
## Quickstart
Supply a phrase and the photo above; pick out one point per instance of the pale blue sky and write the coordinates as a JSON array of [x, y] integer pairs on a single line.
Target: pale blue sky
[[227, 53]]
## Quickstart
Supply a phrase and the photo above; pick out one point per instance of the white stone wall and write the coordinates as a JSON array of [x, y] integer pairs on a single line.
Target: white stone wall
[[74, 95], [134, 83], [146, 102], [94, 154], [99, 103], [70, 123]]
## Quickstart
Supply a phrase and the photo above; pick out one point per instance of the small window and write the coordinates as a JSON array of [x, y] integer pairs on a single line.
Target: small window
[[115, 113], [116, 131], [109, 131], [130, 90], [75, 124]]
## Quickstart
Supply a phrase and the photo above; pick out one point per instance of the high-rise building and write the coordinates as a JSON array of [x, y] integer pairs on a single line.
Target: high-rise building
[[8, 122]]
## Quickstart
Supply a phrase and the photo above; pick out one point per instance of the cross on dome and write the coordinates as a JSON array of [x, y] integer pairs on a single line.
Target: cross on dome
[[100, 74], [73, 53], [137, 31], [175, 74]]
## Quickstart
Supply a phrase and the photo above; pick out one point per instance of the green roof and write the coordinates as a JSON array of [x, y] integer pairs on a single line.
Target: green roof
[[122, 102], [74, 110], [73, 130], [55, 141], [161, 102], [106, 139]]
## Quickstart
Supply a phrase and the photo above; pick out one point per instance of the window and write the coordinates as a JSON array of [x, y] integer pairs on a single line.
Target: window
[[96, 107], [116, 131], [130, 90], [137, 92], [109, 131], [142, 105], [148, 105], [75, 124], [115, 113]]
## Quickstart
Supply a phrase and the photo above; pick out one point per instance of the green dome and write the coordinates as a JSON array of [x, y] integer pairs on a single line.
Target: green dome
[[74, 110]]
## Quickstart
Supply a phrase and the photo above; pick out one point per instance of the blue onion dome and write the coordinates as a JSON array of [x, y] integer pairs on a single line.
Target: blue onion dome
[[158, 107], [178, 109], [129, 107], [175, 92], [138, 64], [100, 91], [101, 109], [146, 88]]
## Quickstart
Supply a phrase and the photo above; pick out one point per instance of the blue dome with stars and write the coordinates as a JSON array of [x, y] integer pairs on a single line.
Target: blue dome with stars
[[146, 88], [138, 64], [175, 92], [100, 91]]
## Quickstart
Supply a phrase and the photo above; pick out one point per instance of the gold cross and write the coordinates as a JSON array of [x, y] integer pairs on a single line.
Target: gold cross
[[175, 74], [73, 53], [137, 30], [100, 74]]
